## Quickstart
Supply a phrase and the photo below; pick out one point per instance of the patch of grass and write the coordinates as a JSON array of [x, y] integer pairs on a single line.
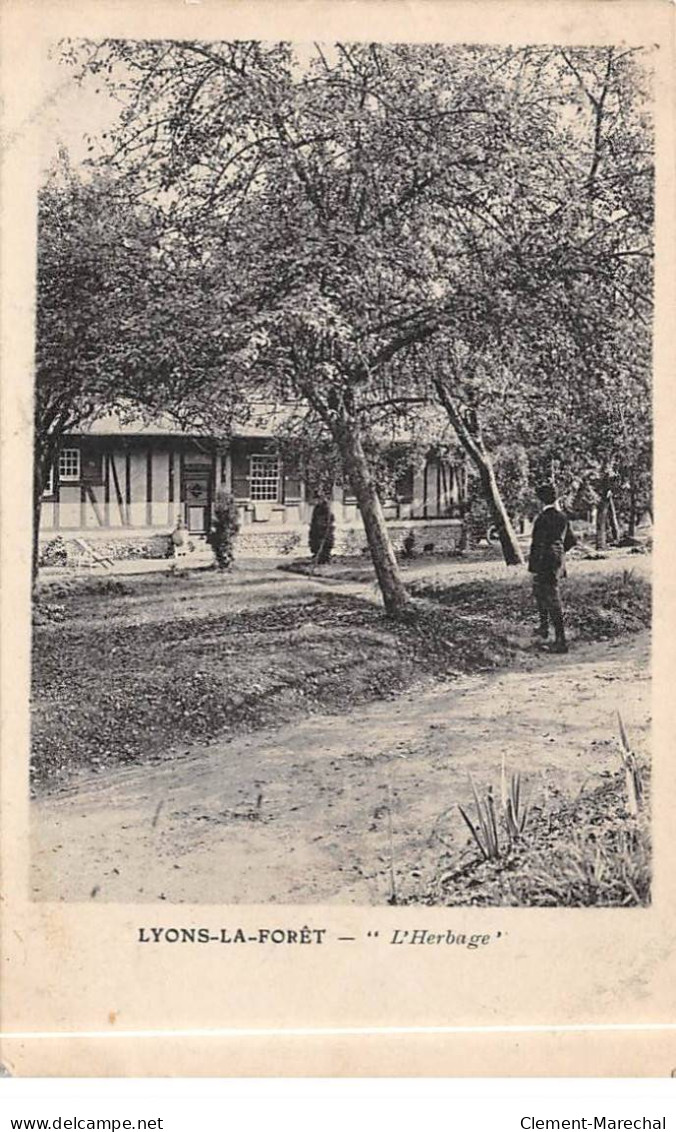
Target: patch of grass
[[356, 568], [611, 872], [107, 692], [339, 569], [593, 851], [596, 608], [91, 587], [128, 671]]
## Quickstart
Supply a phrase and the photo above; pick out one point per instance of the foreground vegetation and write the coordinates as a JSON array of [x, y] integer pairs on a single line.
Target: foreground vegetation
[[130, 670], [589, 851]]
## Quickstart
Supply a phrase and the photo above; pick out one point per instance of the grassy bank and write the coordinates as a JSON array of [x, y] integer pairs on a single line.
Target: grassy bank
[[598, 606], [134, 670], [589, 852]]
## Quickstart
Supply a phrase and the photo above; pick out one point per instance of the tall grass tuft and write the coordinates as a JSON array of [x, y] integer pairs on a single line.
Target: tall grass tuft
[[486, 826], [485, 831], [632, 774], [514, 808]]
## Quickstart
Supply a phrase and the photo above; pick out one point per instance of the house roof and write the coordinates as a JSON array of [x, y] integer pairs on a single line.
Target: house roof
[[260, 420], [112, 425]]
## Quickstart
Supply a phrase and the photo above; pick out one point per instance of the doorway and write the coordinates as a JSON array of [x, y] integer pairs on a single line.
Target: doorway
[[197, 494]]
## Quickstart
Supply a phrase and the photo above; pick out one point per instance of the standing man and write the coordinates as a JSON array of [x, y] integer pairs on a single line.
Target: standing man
[[552, 537]]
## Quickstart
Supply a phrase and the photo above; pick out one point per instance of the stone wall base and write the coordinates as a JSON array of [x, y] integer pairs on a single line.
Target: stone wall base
[[63, 550], [441, 537], [428, 537]]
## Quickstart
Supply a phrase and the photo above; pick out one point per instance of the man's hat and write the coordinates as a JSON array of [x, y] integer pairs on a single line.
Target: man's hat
[[546, 493]]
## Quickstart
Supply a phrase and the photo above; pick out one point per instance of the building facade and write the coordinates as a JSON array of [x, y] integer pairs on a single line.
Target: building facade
[[126, 484]]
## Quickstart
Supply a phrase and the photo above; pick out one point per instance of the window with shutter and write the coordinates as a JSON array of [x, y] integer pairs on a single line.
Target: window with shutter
[[240, 473], [91, 467]]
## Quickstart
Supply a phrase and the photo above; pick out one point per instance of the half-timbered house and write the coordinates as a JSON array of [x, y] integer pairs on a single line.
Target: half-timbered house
[[127, 484]]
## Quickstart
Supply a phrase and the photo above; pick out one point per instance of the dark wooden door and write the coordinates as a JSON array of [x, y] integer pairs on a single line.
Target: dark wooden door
[[197, 494]]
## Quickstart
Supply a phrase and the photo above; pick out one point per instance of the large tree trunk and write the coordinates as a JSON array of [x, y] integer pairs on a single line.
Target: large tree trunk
[[43, 459], [602, 521], [508, 541], [613, 519], [632, 508], [469, 434], [38, 484], [395, 597]]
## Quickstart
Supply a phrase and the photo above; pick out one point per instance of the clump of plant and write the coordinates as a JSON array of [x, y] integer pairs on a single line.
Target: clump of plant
[[55, 553], [592, 871], [484, 828], [409, 545], [494, 833], [633, 779], [322, 532], [290, 544], [593, 851], [224, 529], [514, 808]]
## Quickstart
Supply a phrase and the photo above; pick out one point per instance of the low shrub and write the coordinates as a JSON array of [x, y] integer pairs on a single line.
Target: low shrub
[[224, 529], [322, 532], [54, 553], [408, 545]]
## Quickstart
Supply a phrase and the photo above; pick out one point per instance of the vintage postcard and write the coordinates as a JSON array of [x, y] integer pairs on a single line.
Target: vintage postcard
[[337, 539]]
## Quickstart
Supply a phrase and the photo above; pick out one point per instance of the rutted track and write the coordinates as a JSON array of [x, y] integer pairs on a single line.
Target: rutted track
[[300, 814]]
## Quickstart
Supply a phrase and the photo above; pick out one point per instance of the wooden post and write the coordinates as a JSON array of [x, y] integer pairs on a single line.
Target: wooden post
[[127, 488], [149, 485], [106, 487]]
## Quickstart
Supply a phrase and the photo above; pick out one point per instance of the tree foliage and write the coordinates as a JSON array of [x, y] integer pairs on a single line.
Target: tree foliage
[[375, 227]]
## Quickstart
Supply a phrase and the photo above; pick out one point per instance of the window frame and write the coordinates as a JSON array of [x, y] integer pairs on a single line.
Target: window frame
[[70, 477], [265, 458]]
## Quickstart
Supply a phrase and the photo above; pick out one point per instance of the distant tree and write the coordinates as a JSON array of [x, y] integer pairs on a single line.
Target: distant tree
[[590, 326], [121, 324], [512, 471], [554, 354], [224, 529], [88, 276], [456, 387]]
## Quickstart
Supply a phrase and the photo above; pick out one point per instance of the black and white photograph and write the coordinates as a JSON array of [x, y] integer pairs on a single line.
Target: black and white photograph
[[343, 497]]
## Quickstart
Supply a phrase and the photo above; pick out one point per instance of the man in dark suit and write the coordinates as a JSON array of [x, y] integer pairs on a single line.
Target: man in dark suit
[[552, 537]]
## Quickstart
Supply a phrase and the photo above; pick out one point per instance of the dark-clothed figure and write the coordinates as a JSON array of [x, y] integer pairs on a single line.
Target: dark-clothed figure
[[552, 537]]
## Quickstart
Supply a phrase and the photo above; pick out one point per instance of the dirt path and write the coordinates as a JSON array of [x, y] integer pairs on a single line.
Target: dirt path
[[303, 814]]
